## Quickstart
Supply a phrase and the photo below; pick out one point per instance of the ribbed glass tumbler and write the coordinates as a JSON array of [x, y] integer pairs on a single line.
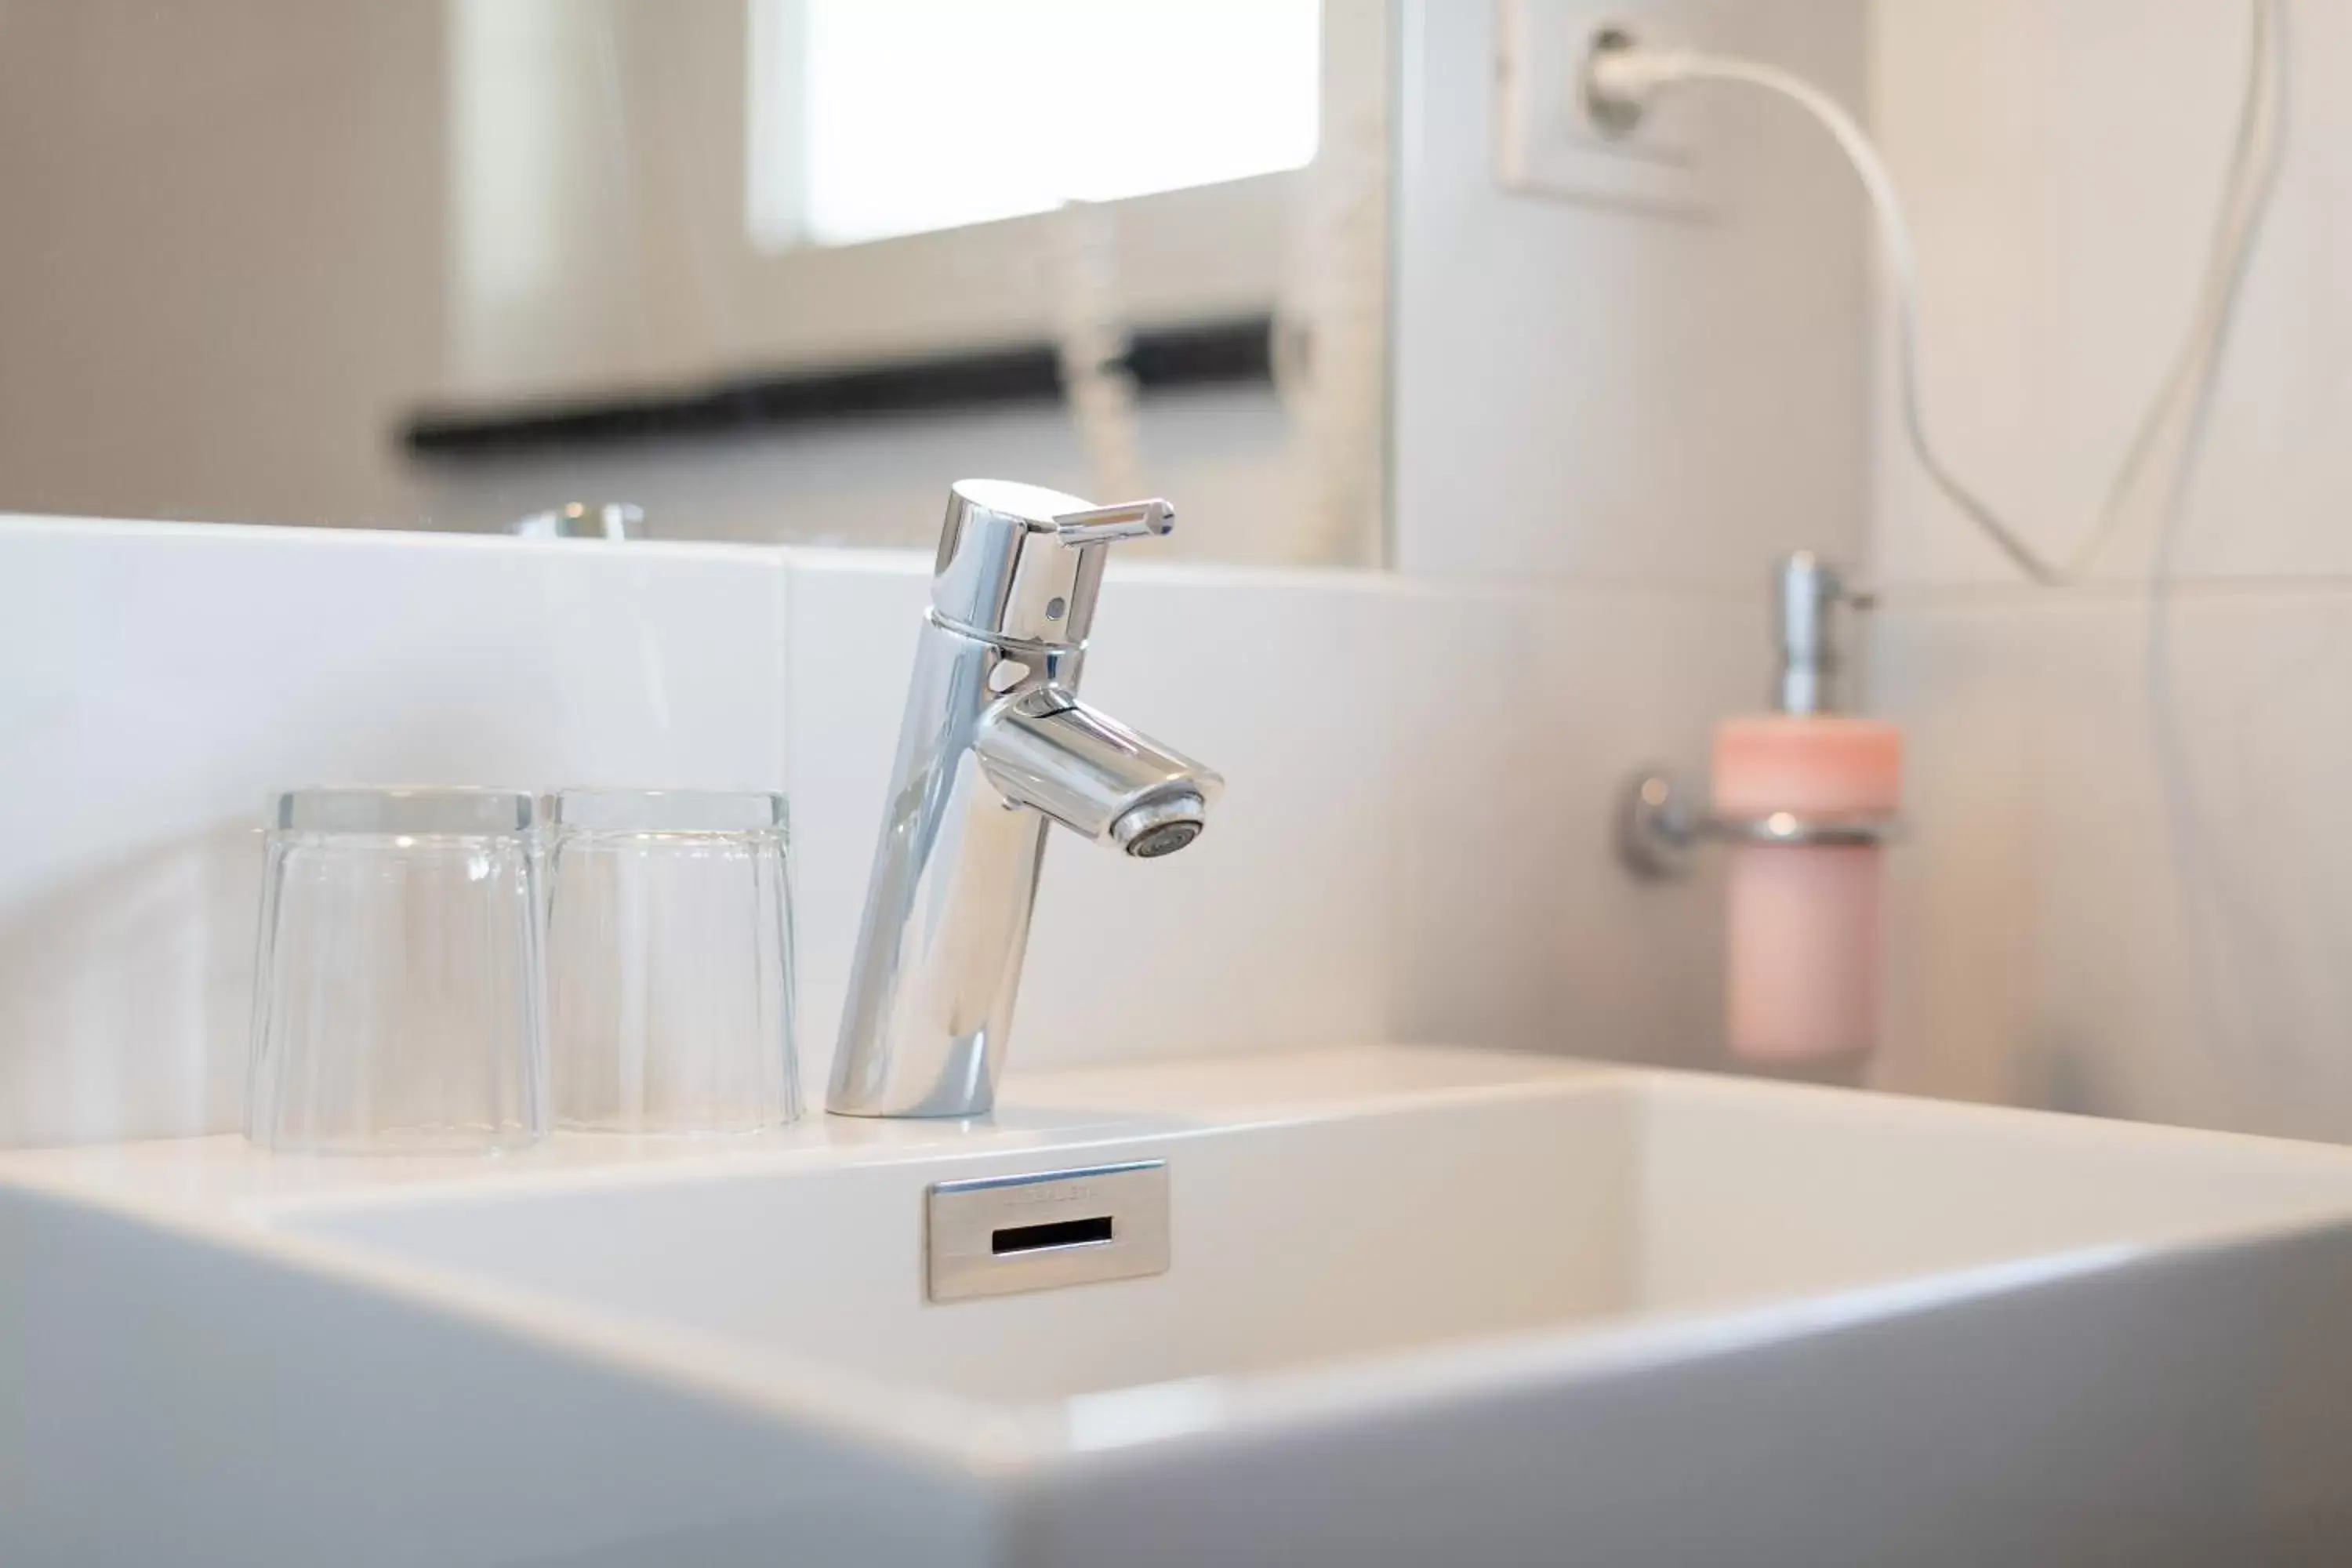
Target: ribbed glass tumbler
[[398, 995], [670, 962]]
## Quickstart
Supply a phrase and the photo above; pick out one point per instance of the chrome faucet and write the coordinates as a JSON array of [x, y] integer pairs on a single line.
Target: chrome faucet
[[995, 746]]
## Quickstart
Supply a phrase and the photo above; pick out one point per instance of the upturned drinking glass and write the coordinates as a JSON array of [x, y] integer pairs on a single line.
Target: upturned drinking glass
[[398, 989], [670, 962]]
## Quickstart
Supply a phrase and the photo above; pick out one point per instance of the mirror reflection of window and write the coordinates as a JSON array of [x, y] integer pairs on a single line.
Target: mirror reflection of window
[[769, 269], [870, 118]]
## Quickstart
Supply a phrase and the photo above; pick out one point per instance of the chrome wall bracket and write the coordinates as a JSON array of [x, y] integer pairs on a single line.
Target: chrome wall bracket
[[1662, 820]]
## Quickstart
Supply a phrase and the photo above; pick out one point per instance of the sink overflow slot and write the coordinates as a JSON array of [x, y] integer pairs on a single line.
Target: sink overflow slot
[[1055, 1233], [1040, 1230]]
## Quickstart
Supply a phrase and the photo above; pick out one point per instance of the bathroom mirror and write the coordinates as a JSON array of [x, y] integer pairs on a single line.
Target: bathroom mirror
[[773, 270]]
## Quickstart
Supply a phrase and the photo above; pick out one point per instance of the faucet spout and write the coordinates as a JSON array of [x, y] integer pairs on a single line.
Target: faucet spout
[[1049, 752], [996, 747]]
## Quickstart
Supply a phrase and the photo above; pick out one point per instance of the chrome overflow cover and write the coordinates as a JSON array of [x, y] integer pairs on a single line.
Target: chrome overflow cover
[[999, 1234]]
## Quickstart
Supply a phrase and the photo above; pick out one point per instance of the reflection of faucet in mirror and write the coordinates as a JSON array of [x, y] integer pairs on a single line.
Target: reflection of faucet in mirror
[[613, 519], [995, 747]]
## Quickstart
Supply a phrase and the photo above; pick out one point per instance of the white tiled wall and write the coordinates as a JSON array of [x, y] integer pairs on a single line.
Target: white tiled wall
[[1413, 840], [1413, 844], [2130, 884], [157, 680], [2061, 160], [1637, 413], [1584, 390], [1524, 714]]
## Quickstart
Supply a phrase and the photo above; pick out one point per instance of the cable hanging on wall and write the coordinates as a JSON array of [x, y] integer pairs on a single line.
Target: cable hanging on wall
[[1622, 77]]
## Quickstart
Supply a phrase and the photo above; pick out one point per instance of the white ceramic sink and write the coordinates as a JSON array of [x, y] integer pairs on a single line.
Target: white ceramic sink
[[1421, 1307]]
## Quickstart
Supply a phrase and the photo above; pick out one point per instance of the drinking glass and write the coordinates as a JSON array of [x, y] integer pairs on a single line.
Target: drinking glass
[[398, 989], [670, 962]]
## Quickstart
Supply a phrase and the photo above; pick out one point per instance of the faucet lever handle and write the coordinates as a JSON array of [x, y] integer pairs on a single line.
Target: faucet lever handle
[[1128, 519]]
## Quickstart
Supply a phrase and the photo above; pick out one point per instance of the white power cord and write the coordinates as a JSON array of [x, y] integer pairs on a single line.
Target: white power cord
[[1622, 77]]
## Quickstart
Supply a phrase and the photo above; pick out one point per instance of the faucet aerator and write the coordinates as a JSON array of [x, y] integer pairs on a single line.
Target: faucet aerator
[[1164, 840], [1161, 827]]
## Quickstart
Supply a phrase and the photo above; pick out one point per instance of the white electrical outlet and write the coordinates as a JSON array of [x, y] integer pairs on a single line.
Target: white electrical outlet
[[1547, 144]]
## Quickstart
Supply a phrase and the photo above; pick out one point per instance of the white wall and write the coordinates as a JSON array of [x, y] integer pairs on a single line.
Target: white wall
[[1587, 391], [1413, 844], [2130, 881], [159, 681], [1628, 416]]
